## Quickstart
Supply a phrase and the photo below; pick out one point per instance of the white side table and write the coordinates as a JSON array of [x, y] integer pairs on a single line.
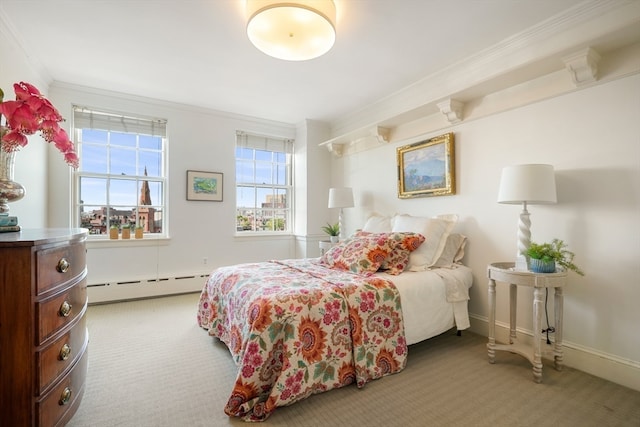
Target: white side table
[[504, 272], [325, 245]]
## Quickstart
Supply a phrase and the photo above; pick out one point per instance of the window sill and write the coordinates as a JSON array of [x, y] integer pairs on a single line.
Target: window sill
[[258, 235], [106, 242]]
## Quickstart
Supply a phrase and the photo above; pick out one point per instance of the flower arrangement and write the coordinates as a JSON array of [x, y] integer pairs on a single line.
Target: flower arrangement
[[29, 113]]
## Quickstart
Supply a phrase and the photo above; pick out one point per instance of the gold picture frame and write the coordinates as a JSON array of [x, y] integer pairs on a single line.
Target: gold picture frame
[[427, 168]]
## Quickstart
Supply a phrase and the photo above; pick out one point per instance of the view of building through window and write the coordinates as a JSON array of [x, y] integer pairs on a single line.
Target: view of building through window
[[263, 184], [121, 178]]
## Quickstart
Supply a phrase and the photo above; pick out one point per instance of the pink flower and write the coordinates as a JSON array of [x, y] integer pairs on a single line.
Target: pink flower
[[29, 113], [247, 371]]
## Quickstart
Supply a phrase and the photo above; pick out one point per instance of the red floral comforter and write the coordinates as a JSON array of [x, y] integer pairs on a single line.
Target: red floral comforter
[[296, 328]]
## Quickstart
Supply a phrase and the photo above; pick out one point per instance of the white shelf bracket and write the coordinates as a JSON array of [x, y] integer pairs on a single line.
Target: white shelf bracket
[[381, 133], [583, 66], [452, 110], [336, 149]]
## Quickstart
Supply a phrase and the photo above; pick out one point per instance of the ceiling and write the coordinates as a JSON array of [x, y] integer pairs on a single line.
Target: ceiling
[[196, 51]]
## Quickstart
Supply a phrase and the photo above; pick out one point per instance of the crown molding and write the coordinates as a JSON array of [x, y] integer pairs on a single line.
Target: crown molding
[[513, 61]]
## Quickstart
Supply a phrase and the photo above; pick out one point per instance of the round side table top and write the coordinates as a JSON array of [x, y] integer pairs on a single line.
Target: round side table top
[[505, 272]]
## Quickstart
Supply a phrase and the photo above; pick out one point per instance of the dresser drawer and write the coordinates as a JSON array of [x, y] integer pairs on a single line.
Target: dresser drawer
[[64, 396], [54, 313], [58, 265], [60, 354]]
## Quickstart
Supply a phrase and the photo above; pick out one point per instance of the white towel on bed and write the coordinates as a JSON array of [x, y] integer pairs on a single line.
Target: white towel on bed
[[456, 289]]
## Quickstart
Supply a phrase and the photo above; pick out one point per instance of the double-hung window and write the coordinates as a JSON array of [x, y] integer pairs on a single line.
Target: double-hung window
[[264, 184], [121, 181]]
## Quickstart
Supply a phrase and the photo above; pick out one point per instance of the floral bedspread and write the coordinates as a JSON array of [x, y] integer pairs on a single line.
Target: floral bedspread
[[296, 328]]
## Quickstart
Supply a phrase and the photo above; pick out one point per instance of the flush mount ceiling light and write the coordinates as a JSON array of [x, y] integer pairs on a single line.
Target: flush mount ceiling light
[[292, 30]]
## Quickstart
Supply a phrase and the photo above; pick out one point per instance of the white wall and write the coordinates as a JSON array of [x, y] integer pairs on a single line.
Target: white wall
[[312, 175], [592, 137], [198, 140], [15, 67]]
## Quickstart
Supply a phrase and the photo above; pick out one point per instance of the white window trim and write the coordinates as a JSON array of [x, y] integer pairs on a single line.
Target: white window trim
[[119, 121], [269, 143]]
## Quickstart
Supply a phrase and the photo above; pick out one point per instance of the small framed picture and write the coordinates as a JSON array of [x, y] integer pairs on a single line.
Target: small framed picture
[[426, 168], [205, 186]]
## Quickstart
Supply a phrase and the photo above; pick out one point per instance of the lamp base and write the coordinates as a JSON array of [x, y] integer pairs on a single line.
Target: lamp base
[[521, 263]]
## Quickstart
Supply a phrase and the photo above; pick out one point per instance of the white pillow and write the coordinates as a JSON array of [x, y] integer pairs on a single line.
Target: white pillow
[[378, 224], [436, 230]]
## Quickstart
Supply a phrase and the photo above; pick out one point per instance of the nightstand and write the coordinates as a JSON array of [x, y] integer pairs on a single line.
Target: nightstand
[[325, 245], [504, 272]]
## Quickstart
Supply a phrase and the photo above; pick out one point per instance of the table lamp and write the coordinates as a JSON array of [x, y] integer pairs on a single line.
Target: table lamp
[[340, 198], [532, 184]]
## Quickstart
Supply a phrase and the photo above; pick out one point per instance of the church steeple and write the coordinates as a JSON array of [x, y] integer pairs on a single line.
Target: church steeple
[[145, 193]]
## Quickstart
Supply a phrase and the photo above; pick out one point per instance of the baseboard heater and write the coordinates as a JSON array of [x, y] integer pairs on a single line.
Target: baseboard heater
[[122, 290]]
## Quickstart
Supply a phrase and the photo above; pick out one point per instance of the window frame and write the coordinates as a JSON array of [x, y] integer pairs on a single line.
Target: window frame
[[262, 143], [139, 125]]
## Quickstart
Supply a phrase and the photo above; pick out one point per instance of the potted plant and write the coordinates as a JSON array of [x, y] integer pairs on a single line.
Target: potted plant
[[126, 231], [139, 232], [544, 257], [333, 230], [113, 232]]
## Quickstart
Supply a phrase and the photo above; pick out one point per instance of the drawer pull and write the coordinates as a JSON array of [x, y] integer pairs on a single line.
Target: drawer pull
[[65, 351], [65, 397], [65, 309], [63, 265]]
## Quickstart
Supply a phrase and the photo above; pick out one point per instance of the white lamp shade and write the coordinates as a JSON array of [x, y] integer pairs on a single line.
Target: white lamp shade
[[532, 184], [340, 197], [292, 30]]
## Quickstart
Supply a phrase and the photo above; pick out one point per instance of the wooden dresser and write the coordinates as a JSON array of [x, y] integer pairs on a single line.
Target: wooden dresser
[[43, 333]]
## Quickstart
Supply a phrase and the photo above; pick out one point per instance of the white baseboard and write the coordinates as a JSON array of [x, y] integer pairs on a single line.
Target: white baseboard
[[144, 288], [607, 366]]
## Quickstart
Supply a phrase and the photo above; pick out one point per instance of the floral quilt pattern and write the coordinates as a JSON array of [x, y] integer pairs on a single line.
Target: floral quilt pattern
[[296, 328]]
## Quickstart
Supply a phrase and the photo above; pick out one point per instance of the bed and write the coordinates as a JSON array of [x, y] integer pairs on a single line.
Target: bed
[[304, 326]]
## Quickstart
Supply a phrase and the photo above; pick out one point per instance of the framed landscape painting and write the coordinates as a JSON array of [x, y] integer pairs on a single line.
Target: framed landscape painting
[[206, 186], [426, 168]]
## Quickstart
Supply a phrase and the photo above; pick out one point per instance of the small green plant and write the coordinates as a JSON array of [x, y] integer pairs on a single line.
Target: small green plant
[[332, 230], [555, 251], [126, 226]]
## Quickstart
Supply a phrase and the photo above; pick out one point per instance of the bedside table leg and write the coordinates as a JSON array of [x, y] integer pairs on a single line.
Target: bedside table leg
[[513, 312], [491, 346], [538, 307], [557, 346]]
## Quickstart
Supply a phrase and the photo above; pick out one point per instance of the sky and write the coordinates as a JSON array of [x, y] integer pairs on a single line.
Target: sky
[[126, 155]]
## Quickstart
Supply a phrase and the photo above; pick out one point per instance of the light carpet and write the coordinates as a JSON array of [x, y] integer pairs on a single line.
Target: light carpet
[[150, 365]]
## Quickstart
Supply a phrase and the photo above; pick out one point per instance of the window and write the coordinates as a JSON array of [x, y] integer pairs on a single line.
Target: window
[[121, 180], [263, 184]]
